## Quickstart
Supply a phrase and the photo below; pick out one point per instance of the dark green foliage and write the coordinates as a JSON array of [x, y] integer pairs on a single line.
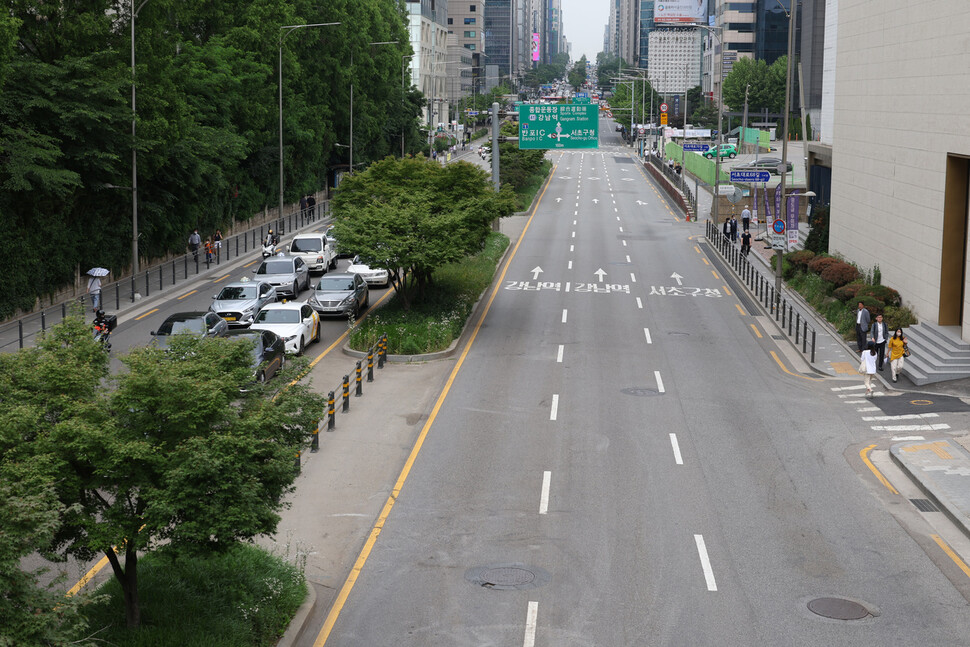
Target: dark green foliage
[[243, 596], [884, 293], [899, 317], [800, 259], [847, 293], [577, 75], [519, 166], [876, 276], [874, 305], [839, 273], [818, 236]]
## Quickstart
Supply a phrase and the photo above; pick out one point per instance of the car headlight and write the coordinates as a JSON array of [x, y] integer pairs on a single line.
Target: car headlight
[[313, 300], [289, 339]]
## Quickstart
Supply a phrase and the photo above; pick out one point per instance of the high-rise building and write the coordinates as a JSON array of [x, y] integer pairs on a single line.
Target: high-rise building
[[675, 59], [735, 20], [499, 35], [771, 29], [645, 27], [428, 27]]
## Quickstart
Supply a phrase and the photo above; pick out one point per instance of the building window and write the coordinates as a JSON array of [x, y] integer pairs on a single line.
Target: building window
[[469, 34], [471, 7], [451, 21], [468, 21], [470, 46]]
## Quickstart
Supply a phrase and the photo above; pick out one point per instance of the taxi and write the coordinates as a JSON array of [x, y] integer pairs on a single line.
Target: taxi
[[295, 322]]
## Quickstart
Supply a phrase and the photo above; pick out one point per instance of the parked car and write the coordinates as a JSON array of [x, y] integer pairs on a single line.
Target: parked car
[[726, 150], [769, 164], [340, 294], [288, 274], [269, 354], [373, 276], [238, 303], [203, 324], [315, 251], [295, 322]]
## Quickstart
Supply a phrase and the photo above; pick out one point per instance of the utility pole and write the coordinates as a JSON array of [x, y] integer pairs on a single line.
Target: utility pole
[[744, 120], [783, 170]]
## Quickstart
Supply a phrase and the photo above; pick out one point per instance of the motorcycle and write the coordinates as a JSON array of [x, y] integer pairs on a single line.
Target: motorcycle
[[269, 250], [102, 335]]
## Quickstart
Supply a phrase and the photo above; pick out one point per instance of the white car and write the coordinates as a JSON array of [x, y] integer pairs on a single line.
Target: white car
[[372, 276], [295, 322], [315, 250]]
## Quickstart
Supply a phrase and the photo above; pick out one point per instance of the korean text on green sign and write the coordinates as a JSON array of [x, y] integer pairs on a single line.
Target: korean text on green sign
[[558, 126]]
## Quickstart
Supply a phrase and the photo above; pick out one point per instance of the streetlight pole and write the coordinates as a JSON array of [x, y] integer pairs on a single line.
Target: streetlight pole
[[284, 31], [783, 170], [134, 148]]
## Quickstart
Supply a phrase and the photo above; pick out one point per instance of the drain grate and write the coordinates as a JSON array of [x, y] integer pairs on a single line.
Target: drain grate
[[639, 391], [838, 609], [777, 336], [924, 505], [507, 577], [623, 160]]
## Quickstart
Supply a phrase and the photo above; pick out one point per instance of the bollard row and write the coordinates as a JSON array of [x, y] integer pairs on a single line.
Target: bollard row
[[380, 350]]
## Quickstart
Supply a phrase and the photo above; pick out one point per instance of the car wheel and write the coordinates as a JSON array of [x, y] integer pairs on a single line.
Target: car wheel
[[282, 363], [299, 351], [296, 289], [732, 155], [366, 300], [306, 284], [261, 378], [316, 337]]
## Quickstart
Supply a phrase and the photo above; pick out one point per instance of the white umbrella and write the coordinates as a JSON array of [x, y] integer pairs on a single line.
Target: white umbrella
[[97, 271]]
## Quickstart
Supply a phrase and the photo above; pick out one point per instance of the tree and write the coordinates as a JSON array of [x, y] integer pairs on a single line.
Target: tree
[[410, 216], [577, 75], [172, 451], [767, 86]]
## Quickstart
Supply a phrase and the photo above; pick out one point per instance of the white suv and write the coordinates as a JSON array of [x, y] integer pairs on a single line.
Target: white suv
[[315, 251]]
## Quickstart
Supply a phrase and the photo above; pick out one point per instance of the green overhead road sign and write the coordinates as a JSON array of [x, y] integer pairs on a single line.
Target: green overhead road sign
[[559, 126]]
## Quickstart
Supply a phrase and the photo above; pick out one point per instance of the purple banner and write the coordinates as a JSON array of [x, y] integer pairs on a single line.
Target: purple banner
[[792, 219], [768, 217], [754, 202], [778, 202]]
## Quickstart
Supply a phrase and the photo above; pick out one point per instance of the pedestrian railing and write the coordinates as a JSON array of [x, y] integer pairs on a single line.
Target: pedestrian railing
[[328, 420], [129, 289], [792, 322]]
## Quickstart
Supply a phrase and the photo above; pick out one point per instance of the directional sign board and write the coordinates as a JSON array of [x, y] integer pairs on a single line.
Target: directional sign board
[[581, 95], [693, 146], [750, 176], [472, 113], [558, 126]]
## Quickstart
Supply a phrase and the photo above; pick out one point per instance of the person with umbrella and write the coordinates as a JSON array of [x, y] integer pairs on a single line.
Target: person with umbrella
[[94, 286]]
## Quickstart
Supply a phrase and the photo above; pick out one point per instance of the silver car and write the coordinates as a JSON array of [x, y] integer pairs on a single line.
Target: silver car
[[340, 294], [238, 303], [288, 274]]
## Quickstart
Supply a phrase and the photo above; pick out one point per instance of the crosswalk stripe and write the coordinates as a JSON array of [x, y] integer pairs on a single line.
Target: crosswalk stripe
[[905, 416], [936, 427]]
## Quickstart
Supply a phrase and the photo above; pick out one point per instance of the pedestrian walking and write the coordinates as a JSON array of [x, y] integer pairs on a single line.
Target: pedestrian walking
[[94, 289], [727, 228], [861, 326], [208, 250], [734, 229], [745, 217], [897, 352], [745, 243], [311, 205], [867, 366], [195, 241], [880, 335], [302, 206], [217, 241]]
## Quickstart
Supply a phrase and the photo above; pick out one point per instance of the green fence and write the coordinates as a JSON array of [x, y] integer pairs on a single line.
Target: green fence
[[698, 165]]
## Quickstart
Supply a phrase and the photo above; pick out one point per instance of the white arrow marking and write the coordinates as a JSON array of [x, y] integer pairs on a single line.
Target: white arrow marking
[[558, 199], [536, 271], [595, 201], [600, 273], [677, 277], [641, 203]]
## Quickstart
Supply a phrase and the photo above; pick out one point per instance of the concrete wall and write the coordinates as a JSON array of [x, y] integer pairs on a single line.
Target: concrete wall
[[902, 87]]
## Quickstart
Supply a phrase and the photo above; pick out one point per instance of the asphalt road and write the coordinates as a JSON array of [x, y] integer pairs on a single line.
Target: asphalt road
[[620, 460]]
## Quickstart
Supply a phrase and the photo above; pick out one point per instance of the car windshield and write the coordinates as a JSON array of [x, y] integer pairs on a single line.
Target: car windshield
[[282, 266], [170, 327], [274, 316], [335, 284], [234, 293], [306, 245]]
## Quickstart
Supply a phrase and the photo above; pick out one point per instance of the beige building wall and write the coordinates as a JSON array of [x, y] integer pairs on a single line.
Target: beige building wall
[[901, 143]]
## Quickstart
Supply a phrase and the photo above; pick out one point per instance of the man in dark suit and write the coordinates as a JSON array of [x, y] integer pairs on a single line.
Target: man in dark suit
[[861, 326], [880, 335]]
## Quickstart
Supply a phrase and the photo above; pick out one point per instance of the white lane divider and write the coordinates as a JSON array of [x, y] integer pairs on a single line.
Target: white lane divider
[[633, 277], [627, 258], [624, 242], [660, 382], [673, 443], [705, 562], [574, 235], [621, 230], [646, 331], [639, 303], [544, 496], [562, 348], [570, 266], [564, 315], [572, 248], [555, 406], [530, 624], [574, 223]]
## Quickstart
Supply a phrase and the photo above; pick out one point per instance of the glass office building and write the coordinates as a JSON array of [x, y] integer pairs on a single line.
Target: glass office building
[[498, 34]]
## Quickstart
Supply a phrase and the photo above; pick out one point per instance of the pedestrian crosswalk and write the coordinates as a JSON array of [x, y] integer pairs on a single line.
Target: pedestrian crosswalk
[[902, 423]]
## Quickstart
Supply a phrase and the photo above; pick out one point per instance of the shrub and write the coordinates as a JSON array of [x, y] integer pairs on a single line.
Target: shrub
[[818, 237], [819, 263], [876, 276], [787, 269], [884, 293], [873, 305], [800, 259], [839, 273], [848, 293], [899, 317]]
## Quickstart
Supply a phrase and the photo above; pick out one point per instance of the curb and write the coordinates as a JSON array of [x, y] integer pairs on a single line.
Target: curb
[[299, 618], [946, 505]]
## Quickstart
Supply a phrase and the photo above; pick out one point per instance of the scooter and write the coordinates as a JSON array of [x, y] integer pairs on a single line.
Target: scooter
[[102, 335], [269, 250]]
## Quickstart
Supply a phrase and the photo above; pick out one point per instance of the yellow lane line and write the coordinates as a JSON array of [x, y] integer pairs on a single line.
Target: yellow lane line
[[952, 555], [739, 309], [152, 311], [705, 261], [253, 263], [348, 584], [785, 369], [726, 291], [864, 455], [221, 278], [187, 294], [756, 331], [715, 275], [88, 576], [697, 249], [343, 336]]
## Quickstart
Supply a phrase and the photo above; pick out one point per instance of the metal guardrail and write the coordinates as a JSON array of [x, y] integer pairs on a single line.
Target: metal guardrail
[[186, 267], [678, 180], [791, 320]]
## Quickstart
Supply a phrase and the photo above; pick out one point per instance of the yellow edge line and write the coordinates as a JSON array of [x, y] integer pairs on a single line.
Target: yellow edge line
[[785, 369], [347, 332], [88, 576], [221, 278], [348, 585], [715, 275], [726, 291], [152, 311], [864, 455], [187, 294], [756, 331], [952, 555]]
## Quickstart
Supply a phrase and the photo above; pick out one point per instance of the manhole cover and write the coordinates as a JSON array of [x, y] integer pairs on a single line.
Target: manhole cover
[[506, 577], [639, 392], [838, 609]]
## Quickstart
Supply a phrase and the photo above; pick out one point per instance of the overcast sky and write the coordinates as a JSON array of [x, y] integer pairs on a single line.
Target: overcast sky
[[584, 22]]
